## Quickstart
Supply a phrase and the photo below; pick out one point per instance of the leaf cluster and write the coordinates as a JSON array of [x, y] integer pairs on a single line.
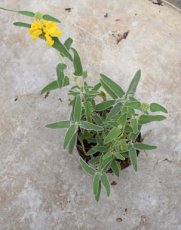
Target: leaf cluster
[[111, 127]]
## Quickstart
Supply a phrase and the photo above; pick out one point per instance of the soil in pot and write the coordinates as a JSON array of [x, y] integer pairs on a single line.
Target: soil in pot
[[123, 163]]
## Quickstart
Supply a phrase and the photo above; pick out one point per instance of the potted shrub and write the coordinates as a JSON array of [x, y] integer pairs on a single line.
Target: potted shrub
[[106, 121]]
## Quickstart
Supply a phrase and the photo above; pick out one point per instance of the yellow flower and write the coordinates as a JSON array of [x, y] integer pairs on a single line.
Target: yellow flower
[[45, 28]]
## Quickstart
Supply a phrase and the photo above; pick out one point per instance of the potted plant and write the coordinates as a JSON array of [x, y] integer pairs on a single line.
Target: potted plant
[[106, 121]]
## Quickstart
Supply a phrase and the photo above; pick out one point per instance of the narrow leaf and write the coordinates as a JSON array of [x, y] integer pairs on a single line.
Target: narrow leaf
[[69, 135], [119, 156], [98, 192], [106, 161], [88, 110], [22, 24], [115, 110], [114, 133], [134, 125], [154, 107], [115, 166], [51, 86], [60, 74], [90, 126], [104, 105], [54, 85], [59, 124], [122, 120], [72, 143], [134, 104], [133, 158], [113, 89], [97, 86], [68, 43], [150, 118], [107, 155], [96, 180], [77, 111], [106, 183], [97, 119], [96, 149], [142, 146], [134, 83], [84, 75], [87, 168], [61, 48], [27, 13], [50, 18], [77, 63]]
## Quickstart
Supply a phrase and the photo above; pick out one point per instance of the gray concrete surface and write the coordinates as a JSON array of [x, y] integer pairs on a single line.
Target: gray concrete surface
[[41, 186], [176, 3]]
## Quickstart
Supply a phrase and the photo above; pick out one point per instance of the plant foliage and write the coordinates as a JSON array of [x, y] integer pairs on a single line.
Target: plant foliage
[[112, 126]]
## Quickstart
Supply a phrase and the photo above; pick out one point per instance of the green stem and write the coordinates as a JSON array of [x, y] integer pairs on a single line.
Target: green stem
[[82, 144]]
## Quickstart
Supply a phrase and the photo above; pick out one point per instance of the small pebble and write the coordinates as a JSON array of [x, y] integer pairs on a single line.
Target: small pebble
[[119, 219]]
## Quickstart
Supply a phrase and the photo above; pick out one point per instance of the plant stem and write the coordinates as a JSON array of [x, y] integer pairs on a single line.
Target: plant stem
[[82, 144]]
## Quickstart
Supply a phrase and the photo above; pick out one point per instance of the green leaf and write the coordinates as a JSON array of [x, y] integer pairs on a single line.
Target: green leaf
[[54, 85], [22, 24], [90, 92], [113, 89], [90, 126], [60, 74], [97, 86], [61, 48], [106, 183], [134, 125], [133, 158], [107, 155], [134, 104], [154, 107], [107, 89], [98, 192], [106, 161], [96, 181], [77, 111], [115, 110], [77, 63], [119, 156], [69, 135], [59, 124], [88, 110], [142, 146], [104, 105], [87, 168], [115, 166], [94, 160], [114, 133], [50, 18], [144, 119], [97, 119], [72, 143], [96, 149], [27, 13], [84, 75], [134, 83], [68, 43], [122, 120], [51, 86]]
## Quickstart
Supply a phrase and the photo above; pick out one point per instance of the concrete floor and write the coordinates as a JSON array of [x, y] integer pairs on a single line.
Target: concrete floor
[[42, 187], [176, 3]]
